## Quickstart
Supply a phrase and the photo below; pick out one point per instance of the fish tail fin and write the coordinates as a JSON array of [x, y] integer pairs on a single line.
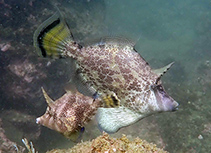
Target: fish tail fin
[[52, 37]]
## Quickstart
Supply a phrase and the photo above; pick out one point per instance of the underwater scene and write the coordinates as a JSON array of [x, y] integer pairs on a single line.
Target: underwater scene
[[105, 76]]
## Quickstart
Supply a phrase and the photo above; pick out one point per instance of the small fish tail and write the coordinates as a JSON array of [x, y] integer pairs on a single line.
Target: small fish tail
[[52, 37]]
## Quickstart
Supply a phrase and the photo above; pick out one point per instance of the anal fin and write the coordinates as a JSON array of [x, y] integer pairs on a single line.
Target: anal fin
[[111, 120]]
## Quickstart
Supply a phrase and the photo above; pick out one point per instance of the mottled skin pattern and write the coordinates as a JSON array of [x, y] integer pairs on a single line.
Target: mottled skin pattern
[[113, 67], [126, 85], [69, 113]]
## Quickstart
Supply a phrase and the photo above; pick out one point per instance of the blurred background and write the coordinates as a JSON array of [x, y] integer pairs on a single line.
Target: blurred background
[[163, 31]]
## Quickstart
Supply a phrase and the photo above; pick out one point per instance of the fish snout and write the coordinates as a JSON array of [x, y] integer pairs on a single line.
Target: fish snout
[[169, 104], [174, 107], [165, 102]]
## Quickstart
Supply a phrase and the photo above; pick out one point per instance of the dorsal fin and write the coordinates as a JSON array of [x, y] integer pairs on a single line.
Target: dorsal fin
[[120, 40], [162, 71], [47, 98]]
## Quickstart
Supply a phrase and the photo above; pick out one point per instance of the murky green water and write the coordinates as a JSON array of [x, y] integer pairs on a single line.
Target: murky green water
[[164, 31]]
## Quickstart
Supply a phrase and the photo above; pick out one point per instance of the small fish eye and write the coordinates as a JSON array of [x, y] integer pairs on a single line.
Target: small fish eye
[[153, 86], [82, 129], [160, 87]]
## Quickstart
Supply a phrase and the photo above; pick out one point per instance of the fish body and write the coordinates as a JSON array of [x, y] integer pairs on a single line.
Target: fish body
[[68, 114], [124, 80]]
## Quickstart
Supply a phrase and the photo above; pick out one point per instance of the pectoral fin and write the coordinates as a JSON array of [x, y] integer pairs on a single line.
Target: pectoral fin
[[111, 120], [110, 100]]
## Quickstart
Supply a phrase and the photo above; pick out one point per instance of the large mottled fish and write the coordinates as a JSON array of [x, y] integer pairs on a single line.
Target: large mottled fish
[[68, 114], [124, 81]]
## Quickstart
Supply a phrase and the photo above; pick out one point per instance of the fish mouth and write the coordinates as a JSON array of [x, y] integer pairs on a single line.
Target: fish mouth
[[38, 120], [176, 106]]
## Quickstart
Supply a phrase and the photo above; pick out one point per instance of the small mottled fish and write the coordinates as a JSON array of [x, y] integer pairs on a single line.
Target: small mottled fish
[[124, 81], [68, 114]]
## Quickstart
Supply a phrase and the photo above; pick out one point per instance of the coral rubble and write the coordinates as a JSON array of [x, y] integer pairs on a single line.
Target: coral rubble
[[106, 144]]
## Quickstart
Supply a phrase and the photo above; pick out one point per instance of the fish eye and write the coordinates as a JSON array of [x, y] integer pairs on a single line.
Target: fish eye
[[160, 87], [152, 87]]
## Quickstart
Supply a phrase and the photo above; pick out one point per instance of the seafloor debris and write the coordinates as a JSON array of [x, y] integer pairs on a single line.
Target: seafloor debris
[[107, 144], [6, 145]]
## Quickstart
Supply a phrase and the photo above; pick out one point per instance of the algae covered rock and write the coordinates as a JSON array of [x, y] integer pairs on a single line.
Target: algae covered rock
[[106, 144]]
